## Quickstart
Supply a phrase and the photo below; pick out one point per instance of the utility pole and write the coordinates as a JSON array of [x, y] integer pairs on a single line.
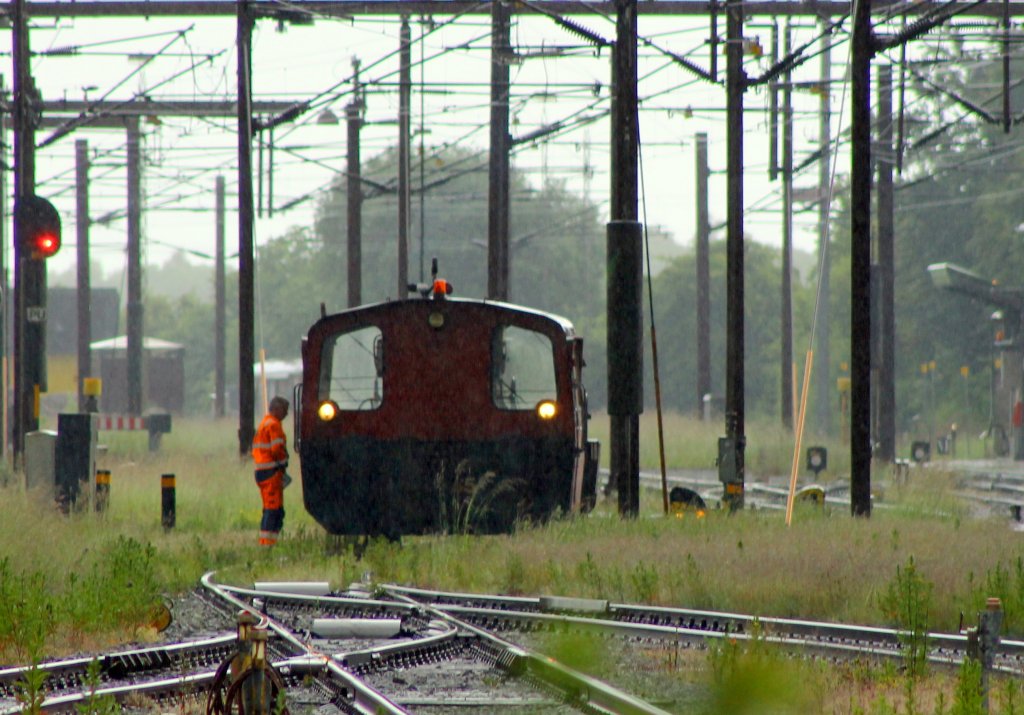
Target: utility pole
[[270, 173], [773, 110], [219, 299], [83, 284], [886, 272], [1006, 40], [822, 329], [860, 261], [5, 293], [135, 332], [354, 194], [30, 275], [731, 448], [498, 259], [786, 318], [404, 194], [703, 276], [625, 269], [246, 250]]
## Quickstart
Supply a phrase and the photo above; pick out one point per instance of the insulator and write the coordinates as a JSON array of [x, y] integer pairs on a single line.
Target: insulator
[[583, 32]]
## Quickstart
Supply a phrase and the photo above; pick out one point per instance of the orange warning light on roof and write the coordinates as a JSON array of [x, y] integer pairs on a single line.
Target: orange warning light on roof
[[442, 288]]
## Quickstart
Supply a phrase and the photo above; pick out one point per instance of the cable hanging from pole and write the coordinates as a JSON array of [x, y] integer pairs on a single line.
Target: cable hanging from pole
[[654, 332]]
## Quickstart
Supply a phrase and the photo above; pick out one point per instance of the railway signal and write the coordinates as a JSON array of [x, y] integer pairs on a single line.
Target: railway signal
[[37, 231], [39, 225], [817, 459]]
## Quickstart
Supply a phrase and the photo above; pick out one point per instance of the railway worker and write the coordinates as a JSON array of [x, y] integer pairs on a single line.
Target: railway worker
[[270, 458]]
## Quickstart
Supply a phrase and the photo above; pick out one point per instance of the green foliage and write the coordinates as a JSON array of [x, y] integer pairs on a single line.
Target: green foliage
[[675, 298], [1011, 697], [94, 703], [589, 574], [645, 582], [515, 575], [907, 602], [557, 242], [121, 586], [956, 204], [752, 677], [29, 690], [967, 699], [26, 612], [578, 651], [114, 588], [468, 500], [556, 238], [1006, 584], [189, 321]]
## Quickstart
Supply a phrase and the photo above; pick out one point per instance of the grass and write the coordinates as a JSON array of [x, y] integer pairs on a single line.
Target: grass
[[85, 581]]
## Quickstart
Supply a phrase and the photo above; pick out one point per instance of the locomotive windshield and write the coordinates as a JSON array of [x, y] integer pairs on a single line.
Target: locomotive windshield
[[522, 368], [352, 369]]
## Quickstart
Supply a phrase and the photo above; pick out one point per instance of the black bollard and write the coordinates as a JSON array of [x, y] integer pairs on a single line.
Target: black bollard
[[102, 489], [167, 494]]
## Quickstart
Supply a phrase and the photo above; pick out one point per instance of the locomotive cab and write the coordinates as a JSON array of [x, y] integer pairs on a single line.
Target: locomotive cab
[[443, 414]]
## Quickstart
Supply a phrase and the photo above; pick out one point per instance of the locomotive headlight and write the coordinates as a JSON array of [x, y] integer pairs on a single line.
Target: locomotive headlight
[[547, 409], [327, 410]]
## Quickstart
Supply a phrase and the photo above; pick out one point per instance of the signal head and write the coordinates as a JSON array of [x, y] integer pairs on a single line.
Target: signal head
[[39, 226]]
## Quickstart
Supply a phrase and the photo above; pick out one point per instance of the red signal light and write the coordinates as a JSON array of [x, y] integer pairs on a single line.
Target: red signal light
[[45, 244]]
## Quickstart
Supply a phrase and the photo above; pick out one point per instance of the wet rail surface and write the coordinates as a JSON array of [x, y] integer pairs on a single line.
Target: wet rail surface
[[394, 649]]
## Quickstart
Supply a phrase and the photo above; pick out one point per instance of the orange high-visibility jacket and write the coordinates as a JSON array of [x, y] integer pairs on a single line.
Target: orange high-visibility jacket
[[269, 448]]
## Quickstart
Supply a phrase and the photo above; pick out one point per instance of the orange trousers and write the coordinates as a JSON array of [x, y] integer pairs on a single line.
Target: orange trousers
[[272, 494]]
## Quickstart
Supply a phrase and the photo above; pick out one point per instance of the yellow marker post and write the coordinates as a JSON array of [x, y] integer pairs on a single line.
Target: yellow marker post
[[801, 417], [92, 388]]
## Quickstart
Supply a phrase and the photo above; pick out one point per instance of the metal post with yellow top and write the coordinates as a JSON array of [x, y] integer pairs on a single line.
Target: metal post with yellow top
[[92, 388]]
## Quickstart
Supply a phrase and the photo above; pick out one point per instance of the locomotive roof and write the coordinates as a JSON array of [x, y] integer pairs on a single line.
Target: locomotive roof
[[564, 323]]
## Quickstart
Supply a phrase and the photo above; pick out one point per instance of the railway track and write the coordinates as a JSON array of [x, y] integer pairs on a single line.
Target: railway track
[[395, 649], [160, 673], [353, 654], [695, 628], [759, 493], [997, 487]]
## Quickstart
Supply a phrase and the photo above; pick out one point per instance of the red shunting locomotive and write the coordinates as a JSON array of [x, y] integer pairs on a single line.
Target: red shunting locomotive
[[439, 414]]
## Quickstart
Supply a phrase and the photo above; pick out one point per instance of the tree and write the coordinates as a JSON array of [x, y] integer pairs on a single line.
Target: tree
[[675, 300], [956, 201], [557, 241], [557, 263]]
